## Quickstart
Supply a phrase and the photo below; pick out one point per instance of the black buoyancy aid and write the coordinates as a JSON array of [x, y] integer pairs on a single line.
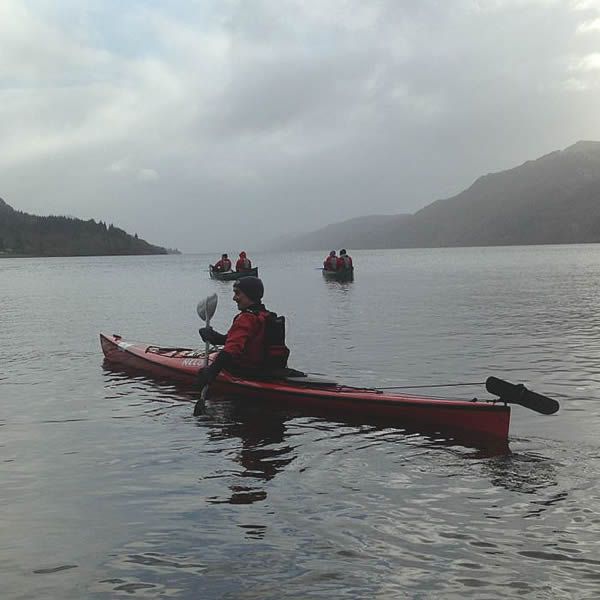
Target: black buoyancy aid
[[276, 352]]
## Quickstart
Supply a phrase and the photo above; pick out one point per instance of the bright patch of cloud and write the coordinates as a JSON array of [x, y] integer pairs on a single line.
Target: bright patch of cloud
[[35, 52], [124, 166], [147, 175], [590, 62], [585, 4], [576, 85], [119, 166], [503, 5], [587, 26]]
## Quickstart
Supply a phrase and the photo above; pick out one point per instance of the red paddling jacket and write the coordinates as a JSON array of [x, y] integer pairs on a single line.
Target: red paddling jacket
[[222, 265], [344, 262], [243, 264], [330, 263], [255, 341], [245, 341]]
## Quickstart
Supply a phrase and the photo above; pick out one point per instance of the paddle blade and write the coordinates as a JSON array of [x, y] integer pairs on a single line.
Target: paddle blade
[[206, 308], [519, 394], [199, 407]]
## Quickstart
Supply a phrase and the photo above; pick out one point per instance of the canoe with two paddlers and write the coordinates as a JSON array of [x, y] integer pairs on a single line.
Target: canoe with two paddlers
[[231, 275]]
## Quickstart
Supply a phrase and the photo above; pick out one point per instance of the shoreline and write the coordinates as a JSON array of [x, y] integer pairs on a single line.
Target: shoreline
[[80, 255]]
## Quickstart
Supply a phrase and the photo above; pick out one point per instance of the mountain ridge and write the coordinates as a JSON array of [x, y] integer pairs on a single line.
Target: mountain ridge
[[553, 199]]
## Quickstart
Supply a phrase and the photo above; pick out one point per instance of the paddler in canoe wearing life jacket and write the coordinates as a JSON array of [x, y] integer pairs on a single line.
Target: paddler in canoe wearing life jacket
[[255, 342], [331, 262], [243, 263], [344, 260], [223, 265]]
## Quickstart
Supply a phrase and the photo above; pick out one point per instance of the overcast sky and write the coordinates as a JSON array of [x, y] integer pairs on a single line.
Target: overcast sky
[[215, 125]]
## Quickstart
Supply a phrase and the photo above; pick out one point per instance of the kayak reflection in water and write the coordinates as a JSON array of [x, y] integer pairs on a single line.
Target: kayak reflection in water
[[264, 450], [255, 342]]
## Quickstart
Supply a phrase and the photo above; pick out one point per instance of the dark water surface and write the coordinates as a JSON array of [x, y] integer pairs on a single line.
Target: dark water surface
[[111, 489]]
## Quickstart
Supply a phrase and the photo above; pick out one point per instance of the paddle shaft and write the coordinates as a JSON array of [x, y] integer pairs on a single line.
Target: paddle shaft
[[206, 349], [205, 309]]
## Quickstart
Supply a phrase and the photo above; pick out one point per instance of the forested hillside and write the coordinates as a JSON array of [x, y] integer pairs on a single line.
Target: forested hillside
[[22, 234]]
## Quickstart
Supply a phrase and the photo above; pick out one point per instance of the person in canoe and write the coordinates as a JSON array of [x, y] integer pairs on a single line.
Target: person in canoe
[[331, 262], [344, 261], [222, 265], [243, 263], [255, 342]]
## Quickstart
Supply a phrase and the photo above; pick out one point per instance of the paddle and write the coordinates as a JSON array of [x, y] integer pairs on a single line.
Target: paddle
[[519, 394], [206, 309]]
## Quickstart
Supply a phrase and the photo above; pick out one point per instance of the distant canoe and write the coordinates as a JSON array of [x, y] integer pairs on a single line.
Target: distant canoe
[[231, 275], [339, 275]]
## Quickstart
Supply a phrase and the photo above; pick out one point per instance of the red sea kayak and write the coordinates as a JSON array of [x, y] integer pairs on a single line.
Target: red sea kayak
[[479, 419]]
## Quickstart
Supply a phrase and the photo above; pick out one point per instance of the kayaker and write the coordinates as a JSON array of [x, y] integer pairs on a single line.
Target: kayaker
[[243, 263], [331, 262], [249, 347], [344, 260], [222, 265]]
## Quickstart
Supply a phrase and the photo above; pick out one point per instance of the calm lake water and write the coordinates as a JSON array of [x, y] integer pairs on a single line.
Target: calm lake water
[[112, 489]]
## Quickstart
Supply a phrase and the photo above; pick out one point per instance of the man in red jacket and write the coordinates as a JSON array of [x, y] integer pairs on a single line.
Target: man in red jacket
[[244, 343], [344, 260], [243, 263], [331, 262], [222, 265]]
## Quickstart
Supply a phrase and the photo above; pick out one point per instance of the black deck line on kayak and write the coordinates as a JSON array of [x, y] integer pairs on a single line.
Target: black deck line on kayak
[[491, 405], [341, 397]]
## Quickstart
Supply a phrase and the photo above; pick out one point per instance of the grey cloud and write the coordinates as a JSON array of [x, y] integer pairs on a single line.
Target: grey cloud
[[275, 116]]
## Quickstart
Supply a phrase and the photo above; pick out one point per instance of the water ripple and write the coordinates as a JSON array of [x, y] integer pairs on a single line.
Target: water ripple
[[112, 489]]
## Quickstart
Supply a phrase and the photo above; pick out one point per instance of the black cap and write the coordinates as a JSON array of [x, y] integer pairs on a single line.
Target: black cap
[[251, 286], [342, 251]]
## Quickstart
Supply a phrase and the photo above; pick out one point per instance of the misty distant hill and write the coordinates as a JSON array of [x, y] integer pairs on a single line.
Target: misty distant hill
[[356, 233], [22, 234], [552, 200]]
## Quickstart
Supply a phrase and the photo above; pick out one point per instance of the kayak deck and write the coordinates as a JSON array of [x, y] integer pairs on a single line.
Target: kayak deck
[[488, 420]]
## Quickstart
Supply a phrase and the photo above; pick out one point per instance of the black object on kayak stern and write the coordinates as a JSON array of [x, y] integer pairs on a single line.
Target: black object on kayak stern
[[519, 394]]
